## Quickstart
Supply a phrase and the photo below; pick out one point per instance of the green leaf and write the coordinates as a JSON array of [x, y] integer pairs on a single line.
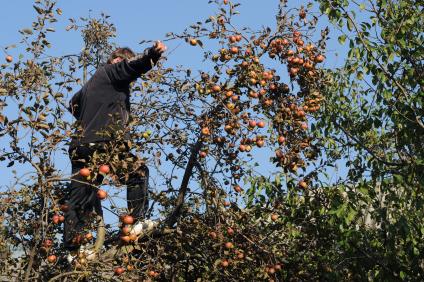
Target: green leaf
[[402, 275], [342, 39], [350, 25]]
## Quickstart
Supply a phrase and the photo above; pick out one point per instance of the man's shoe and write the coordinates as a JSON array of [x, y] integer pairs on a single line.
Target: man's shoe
[[87, 252], [144, 227]]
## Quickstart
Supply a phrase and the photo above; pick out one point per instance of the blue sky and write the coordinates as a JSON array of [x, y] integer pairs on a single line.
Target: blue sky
[[135, 21]]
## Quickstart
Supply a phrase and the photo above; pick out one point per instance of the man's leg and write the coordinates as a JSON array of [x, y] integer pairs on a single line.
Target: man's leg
[[82, 198], [137, 192]]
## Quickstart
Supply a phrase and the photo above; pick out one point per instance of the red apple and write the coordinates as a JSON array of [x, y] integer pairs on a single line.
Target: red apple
[[119, 270], [85, 172], [56, 219], [104, 169], [237, 188], [101, 194], [128, 219], [52, 258]]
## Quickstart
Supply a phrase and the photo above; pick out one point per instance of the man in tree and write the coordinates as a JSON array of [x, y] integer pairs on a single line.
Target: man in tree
[[102, 110]]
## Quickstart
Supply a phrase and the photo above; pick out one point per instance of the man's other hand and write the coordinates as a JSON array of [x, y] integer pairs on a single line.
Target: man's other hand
[[159, 47]]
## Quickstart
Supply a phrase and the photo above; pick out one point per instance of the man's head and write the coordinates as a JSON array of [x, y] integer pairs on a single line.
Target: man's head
[[119, 55]]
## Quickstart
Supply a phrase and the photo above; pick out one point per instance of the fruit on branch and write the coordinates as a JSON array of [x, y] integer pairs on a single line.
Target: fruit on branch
[[234, 98], [48, 243], [101, 194], [279, 154], [153, 273], [205, 131], [293, 167], [56, 219], [230, 231], [319, 59], [51, 258], [216, 88], [225, 263], [303, 184], [252, 123], [229, 93], [126, 230], [237, 188], [193, 42], [262, 92], [302, 13], [308, 65], [234, 50], [274, 217], [9, 59], [261, 124], [252, 93], [88, 236], [213, 234], [299, 42], [229, 245], [127, 219], [271, 270], [260, 143], [119, 270], [82, 261], [293, 71], [104, 169], [85, 172]]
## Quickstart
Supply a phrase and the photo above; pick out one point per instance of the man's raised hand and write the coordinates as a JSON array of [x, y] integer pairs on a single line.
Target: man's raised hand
[[159, 47]]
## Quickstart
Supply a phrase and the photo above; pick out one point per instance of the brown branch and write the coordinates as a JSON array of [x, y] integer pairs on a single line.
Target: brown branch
[[173, 217], [30, 263], [57, 277]]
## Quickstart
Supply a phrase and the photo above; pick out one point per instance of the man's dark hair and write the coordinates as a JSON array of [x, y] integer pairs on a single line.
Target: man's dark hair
[[124, 53]]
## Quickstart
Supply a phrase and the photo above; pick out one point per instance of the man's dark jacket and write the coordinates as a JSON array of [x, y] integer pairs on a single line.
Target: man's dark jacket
[[102, 106]]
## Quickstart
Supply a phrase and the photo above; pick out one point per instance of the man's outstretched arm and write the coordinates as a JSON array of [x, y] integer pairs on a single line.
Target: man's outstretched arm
[[129, 70]]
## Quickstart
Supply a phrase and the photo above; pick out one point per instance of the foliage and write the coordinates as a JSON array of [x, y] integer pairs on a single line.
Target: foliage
[[373, 122]]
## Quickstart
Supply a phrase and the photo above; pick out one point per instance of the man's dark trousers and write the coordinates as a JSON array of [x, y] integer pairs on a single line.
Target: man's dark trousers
[[82, 197]]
